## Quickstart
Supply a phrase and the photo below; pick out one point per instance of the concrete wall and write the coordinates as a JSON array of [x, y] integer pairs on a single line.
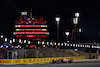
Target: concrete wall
[[52, 52]]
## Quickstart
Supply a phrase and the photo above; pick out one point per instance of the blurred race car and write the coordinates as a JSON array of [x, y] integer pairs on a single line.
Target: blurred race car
[[63, 60]]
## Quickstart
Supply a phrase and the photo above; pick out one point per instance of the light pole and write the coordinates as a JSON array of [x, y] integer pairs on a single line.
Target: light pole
[[57, 19], [67, 34], [1, 38], [80, 30], [75, 22]]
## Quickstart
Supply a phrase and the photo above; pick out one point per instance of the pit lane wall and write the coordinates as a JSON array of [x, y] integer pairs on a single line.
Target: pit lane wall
[[35, 60]]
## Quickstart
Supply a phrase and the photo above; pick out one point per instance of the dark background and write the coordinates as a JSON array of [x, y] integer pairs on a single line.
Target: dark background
[[89, 19]]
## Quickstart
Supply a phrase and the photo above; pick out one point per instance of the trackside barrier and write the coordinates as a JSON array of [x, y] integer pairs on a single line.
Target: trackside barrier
[[35, 60]]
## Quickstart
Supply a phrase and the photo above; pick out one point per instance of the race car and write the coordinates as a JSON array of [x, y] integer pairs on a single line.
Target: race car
[[63, 60]]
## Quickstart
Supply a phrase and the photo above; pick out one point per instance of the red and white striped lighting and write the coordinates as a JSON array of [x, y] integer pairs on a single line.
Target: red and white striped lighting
[[30, 25], [31, 29], [30, 33]]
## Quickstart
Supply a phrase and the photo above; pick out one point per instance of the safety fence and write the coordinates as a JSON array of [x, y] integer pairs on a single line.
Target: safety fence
[[35, 60]]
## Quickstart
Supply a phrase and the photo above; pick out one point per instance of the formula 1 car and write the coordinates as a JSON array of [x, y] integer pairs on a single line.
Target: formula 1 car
[[63, 60]]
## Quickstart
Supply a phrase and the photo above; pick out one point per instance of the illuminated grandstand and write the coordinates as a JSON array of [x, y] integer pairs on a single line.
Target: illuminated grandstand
[[30, 28]]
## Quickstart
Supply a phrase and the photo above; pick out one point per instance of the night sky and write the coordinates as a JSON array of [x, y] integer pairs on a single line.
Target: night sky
[[89, 19]]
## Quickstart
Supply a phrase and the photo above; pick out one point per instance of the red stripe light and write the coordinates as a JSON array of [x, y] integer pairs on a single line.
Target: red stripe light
[[35, 36], [30, 32], [32, 35], [31, 29], [35, 39], [30, 25]]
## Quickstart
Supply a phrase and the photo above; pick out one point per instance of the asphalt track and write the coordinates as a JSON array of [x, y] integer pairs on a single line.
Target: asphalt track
[[75, 64]]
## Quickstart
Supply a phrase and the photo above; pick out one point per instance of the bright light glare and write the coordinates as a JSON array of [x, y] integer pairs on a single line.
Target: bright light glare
[[38, 42], [24, 41], [62, 44], [67, 44], [80, 30], [13, 40], [23, 13], [77, 14], [57, 19], [19, 40], [1, 46], [50, 43], [5, 39], [1, 36], [10, 41], [73, 44], [29, 42], [42, 42], [55, 43], [6, 46], [47, 43], [67, 33], [58, 44]]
